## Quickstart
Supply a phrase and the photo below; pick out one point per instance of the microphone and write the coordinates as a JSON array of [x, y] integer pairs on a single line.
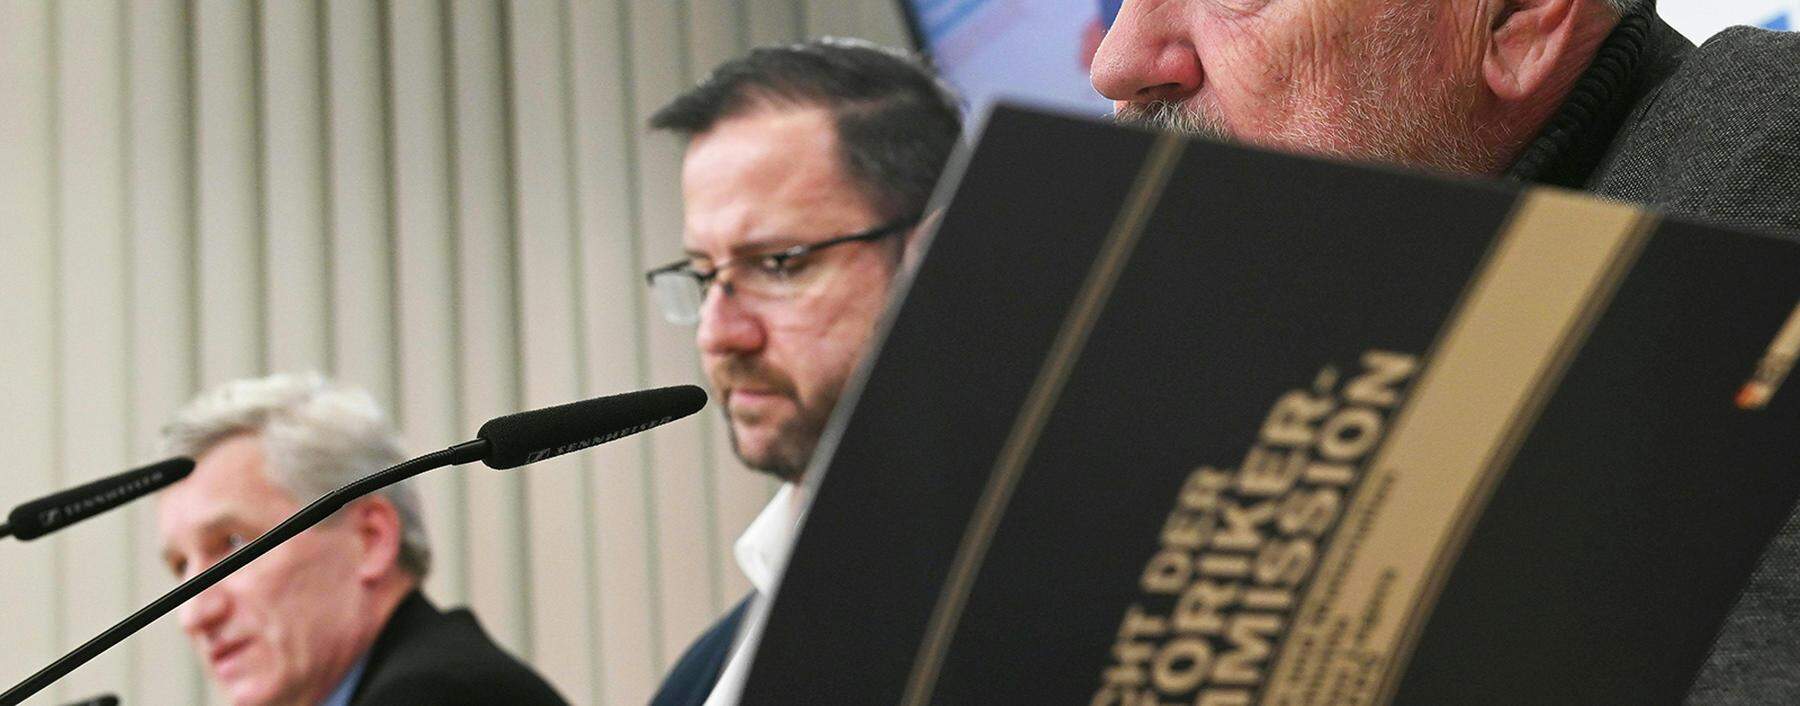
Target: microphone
[[58, 510], [503, 442], [528, 437]]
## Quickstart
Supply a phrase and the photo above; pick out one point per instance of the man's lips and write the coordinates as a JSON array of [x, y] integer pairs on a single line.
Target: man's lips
[[752, 395], [749, 404], [223, 652]]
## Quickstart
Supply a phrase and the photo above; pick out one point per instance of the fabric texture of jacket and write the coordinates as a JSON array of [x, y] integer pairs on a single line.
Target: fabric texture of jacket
[[426, 656], [693, 677]]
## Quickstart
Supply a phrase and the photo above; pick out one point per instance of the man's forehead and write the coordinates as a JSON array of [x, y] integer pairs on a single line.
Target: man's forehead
[[762, 151], [777, 123], [229, 478], [766, 179]]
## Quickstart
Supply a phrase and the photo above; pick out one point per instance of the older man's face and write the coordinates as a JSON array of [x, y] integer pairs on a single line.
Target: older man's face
[[1381, 80], [283, 630], [756, 183]]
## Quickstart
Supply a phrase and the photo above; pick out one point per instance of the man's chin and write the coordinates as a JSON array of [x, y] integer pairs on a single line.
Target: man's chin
[[249, 691], [768, 453], [247, 685], [766, 460]]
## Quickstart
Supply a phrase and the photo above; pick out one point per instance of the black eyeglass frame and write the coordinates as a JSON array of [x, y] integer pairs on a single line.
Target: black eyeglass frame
[[781, 256]]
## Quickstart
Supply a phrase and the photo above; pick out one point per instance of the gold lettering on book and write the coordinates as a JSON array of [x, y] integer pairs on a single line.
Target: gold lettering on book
[[1240, 543]]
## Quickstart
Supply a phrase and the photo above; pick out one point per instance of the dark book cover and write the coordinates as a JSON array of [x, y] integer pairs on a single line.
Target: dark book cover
[[1161, 421]]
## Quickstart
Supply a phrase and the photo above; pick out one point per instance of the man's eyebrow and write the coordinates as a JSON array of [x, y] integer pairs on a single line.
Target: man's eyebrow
[[760, 245]]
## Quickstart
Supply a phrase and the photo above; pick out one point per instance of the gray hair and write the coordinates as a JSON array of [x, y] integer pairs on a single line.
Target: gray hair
[[317, 437], [1624, 6]]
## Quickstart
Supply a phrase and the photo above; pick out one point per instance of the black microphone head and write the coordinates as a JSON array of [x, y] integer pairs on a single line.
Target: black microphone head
[[103, 700], [56, 511], [528, 437]]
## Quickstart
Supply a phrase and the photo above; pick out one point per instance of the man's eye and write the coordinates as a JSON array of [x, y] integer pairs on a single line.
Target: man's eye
[[234, 540], [178, 567], [780, 265]]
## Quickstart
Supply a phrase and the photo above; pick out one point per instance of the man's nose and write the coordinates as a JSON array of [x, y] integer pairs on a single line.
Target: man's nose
[[205, 612], [726, 326], [1146, 56]]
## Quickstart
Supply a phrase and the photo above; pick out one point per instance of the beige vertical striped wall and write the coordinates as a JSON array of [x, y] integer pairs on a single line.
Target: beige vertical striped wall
[[447, 202]]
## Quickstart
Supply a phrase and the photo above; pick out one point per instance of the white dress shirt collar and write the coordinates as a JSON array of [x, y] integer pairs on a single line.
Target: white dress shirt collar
[[762, 552], [763, 547]]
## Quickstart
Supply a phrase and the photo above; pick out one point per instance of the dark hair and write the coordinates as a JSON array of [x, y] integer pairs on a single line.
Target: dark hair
[[896, 122]]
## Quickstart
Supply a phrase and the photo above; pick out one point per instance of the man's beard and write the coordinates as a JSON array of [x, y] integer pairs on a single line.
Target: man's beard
[[795, 439], [1380, 113], [1187, 118]]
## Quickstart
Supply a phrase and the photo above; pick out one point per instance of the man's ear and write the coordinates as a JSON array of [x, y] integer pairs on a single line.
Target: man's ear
[[1530, 44], [378, 532]]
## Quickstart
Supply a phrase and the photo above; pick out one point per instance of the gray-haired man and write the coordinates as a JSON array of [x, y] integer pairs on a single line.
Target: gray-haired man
[[334, 616], [1597, 95]]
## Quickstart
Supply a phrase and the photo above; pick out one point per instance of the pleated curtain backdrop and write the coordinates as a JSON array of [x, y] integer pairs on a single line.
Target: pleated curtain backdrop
[[447, 202]]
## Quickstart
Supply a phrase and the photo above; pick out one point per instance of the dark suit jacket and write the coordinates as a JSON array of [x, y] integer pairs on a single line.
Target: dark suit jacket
[[426, 656], [1710, 133], [693, 677]]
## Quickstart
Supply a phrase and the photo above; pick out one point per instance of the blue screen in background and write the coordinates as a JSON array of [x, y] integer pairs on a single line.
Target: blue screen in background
[[1034, 51], [1109, 11], [939, 18]]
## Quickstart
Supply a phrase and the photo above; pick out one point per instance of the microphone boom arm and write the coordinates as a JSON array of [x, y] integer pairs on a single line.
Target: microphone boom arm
[[301, 521]]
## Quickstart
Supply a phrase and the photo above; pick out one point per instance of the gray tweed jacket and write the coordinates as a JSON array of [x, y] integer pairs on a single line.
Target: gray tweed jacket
[[1710, 133]]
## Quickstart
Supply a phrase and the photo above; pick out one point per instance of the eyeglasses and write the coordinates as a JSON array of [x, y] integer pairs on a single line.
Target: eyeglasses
[[680, 286]]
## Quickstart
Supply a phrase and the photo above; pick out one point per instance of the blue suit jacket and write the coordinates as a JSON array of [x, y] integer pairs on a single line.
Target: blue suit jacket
[[693, 677]]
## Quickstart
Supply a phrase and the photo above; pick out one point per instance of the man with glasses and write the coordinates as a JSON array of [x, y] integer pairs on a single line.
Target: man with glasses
[[806, 174]]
